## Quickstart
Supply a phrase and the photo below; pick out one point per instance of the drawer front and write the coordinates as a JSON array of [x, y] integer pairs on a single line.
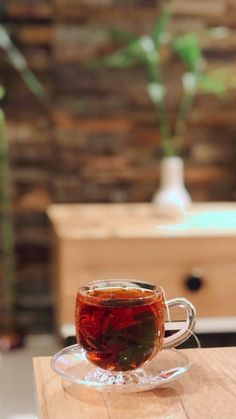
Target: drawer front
[[213, 294]]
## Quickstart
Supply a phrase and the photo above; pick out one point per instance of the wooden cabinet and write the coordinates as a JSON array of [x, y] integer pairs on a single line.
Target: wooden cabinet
[[192, 256]]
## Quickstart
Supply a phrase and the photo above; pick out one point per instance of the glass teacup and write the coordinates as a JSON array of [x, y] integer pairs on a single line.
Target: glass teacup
[[120, 324]]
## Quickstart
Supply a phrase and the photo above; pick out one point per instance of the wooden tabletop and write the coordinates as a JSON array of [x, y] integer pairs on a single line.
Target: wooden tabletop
[[140, 220], [207, 391]]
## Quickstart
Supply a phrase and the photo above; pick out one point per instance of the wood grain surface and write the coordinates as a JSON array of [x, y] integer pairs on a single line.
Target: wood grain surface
[[142, 220], [207, 391]]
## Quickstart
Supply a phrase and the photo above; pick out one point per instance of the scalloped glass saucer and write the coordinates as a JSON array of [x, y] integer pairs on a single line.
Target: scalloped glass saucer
[[71, 364]]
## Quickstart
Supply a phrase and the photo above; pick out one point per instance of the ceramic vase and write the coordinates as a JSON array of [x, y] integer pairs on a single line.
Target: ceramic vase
[[172, 197]]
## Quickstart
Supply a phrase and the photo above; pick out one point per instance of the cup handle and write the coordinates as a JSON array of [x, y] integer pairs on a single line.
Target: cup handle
[[183, 334]]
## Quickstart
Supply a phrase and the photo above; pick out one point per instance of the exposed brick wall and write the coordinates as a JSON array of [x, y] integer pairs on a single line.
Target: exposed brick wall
[[99, 140]]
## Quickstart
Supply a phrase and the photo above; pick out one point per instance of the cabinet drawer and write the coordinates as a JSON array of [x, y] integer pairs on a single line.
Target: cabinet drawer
[[168, 263]]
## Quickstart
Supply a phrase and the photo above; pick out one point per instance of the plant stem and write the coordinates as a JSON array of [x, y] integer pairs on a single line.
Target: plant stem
[[155, 76], [167, 146], [184, 111], [7, 242], [181, 121]]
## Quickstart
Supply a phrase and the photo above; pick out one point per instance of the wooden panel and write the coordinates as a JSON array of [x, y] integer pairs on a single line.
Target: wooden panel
[[167, 263], [34, 35], [199, 8], [28, 9]]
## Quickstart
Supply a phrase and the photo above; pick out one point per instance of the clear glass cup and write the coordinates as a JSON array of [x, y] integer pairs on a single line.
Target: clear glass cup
[[120, 324]]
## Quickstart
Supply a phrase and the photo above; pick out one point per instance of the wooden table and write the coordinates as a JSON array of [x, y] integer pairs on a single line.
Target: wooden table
[[207, 391], [94, 241]]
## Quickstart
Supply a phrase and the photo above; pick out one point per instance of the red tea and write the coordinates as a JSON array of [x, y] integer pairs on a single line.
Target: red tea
[[120, 329]]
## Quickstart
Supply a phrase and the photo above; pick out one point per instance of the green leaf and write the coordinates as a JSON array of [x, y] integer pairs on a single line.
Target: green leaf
[[188, 48], [18, 61], [5, 41], [141, 50], [142, 343], [117, 60], [218, 81], [159, 30], [208, 84]]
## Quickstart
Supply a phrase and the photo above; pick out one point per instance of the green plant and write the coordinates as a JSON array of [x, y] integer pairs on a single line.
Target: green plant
[[17, 60], [7, 236], [148, 50]]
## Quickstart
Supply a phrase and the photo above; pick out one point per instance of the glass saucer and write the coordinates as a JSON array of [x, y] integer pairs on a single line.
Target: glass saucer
[[71, 363]]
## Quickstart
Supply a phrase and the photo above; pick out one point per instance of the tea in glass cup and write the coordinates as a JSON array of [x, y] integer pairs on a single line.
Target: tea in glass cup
[[120, 324]]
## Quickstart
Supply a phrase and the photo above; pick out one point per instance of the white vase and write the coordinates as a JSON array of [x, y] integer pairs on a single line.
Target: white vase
[[172, 197]]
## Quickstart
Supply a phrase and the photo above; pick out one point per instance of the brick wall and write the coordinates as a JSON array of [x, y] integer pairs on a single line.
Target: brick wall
[[98, 141]]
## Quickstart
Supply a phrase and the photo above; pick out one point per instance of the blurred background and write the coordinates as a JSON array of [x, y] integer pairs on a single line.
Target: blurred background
[[81, 133], [95, 139]]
